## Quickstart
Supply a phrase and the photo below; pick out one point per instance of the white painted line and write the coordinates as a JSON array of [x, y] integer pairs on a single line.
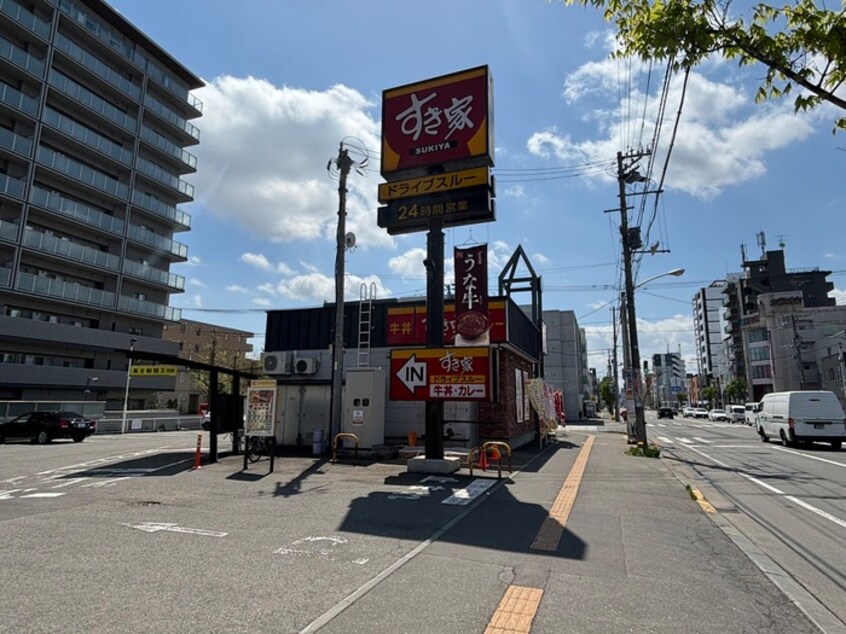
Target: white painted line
[[471, 492], [105, 483], [819, 512], [769, 487], [68, 483], [43, 495], [154, 527], [706, 441], [99, 461], [805, 455], [7, 495], [665, 440], [686, 441]]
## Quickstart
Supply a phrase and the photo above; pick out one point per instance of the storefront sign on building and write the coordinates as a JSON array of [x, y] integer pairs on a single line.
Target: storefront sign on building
[[406, 325], [440, 374], [471, 296]]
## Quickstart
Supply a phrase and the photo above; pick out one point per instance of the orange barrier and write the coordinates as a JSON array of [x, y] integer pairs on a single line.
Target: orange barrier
[[198, 456], [335, 445], [496, 449]]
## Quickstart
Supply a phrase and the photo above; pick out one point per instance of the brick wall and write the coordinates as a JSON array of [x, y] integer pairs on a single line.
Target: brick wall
[[498, 419]]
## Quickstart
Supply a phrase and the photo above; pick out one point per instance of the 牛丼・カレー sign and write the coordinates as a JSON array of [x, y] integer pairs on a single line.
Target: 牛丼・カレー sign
[[440, 374], [445, 120]]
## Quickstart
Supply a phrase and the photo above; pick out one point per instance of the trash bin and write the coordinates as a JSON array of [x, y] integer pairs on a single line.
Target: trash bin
[[317, 442]]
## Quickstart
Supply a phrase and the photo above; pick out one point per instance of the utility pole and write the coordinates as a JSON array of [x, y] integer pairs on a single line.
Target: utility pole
[[614, 366], [343, 163], [624, 177]]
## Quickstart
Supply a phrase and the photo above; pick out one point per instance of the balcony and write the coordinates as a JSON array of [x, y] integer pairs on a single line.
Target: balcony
[[11, 186], [159, 242], [154, 205], [21, 58], [80, 17], [82, 173], [87, 136], [152, 274], [150, 309], [92, 101], [17, 100], [72, 291], [25, 18], [97, 66], [171, 149], [163, 176], [169, 83], [70, 250], [9, 230], [76, 210], [15, 142], [168, 115], [5, 276]]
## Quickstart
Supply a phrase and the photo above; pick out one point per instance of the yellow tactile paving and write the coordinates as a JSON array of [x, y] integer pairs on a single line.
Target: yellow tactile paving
[[553, 526], [515, 611], [702, 502]]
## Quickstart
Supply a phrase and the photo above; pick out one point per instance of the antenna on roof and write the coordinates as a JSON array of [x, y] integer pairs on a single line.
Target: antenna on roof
[[762, 242]]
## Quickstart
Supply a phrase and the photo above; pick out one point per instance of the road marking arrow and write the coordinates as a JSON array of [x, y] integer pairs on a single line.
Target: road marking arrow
[[413, 373], [153, 527]]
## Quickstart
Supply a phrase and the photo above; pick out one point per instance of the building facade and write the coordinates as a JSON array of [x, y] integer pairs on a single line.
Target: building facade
[[565, 365], [94, 122], [668, 378]]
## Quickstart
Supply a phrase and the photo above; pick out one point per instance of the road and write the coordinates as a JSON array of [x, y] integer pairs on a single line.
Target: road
[[789, 502]]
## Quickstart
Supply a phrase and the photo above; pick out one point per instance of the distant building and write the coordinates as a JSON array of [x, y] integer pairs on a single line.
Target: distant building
[[565, 365], [709, 333], [95, 122], [669, 377], [830, 354]]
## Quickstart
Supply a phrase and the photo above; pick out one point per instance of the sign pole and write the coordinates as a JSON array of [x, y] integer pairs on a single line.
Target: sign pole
[[434, 331]]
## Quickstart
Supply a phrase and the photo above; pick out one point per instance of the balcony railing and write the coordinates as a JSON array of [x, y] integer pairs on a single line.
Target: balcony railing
[[171, 117], [70, 250], [87, 136], [97, 66], [8, 230], [114, 40], [25, 18], [147, 272], [82, 173], [92, 101], [163, 176], [11, 186], [72, 291], [15, 142], [157, 241], [76, 210], [5, 276], [18, 100], [166, 146], [21, 58], [149, 203], [151, 309], [172, 85]]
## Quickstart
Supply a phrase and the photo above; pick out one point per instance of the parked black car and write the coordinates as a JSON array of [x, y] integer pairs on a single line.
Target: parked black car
[[665, 412], [42, 427]]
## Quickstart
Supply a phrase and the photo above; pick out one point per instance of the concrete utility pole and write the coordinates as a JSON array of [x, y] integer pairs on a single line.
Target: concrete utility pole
[[614, 370], [344, 163]]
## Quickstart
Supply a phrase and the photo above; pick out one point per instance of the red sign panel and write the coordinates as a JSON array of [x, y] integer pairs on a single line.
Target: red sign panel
[[471, 296], [448, 119], [407, 325], [441, 374]]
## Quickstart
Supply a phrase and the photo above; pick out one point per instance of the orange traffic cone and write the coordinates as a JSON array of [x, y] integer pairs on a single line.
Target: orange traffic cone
[[483, 459], [494, 453]]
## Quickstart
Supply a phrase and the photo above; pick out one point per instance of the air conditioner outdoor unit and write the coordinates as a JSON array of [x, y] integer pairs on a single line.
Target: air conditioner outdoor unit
[[275, 363], [305, 365]]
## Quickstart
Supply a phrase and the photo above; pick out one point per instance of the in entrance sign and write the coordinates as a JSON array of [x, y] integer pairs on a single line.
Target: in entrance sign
[[440, 374]]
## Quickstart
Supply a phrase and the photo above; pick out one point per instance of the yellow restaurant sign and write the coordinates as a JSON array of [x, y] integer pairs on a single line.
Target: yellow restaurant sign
[[153, 370], [436, 183]]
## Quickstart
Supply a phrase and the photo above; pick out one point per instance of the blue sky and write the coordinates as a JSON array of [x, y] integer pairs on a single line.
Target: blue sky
[[288, 80]]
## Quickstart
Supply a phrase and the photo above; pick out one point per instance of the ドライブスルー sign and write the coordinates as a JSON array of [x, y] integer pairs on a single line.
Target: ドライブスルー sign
[[441, 374]]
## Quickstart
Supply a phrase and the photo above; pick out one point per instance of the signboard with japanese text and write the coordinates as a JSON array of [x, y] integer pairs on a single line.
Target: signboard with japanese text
[[153, 370], [454, 208], [435, 184], [441, 374], [471, 296], [406, 325], [447, 119], [261, 411]]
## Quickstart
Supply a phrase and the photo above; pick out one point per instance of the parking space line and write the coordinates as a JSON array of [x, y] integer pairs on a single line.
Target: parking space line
[[516, 611], [552, 528]]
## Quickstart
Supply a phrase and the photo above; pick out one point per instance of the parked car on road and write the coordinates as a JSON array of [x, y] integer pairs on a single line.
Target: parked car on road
[[737, 414], [752, 414], [700, 412], [665, 412], [687, 411], [43, 427], [718, 414], [802, 416]]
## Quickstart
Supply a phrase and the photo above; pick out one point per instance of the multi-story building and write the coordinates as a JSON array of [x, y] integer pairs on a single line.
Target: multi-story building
[[708, 325], [669, 377], [206, 343], [94, 122], [565, 365], [830, 354]]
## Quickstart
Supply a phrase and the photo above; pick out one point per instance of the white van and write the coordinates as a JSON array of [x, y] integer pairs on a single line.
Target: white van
[[806, 416], [752, 414], [737, 413]]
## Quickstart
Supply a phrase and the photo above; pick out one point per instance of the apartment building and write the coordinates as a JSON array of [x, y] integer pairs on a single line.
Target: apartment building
[[94, 126], [708, 326], [669, 377]]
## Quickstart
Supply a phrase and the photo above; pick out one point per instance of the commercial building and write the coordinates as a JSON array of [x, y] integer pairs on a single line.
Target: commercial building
[[565, 365], [94, 122], [669, 377]]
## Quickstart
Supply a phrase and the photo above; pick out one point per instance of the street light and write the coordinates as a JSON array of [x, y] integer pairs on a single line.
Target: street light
[[640, 420], [88, 382], [126, 393]]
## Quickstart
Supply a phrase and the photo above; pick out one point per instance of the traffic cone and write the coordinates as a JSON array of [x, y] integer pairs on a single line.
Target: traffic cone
[[494, 453], [483, 459]]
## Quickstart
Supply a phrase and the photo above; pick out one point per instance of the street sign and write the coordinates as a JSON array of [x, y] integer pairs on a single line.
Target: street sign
[[435, 184], [153, 370], [440, 374], [454, 208]]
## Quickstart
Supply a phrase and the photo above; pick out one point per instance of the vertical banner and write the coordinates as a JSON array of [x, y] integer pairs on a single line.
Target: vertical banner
[[472, 322]]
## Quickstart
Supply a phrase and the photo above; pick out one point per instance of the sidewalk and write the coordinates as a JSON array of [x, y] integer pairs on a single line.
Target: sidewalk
[[635, 554]]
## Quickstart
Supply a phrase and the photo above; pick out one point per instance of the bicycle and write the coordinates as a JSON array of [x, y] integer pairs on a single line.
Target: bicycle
[[258, 446]]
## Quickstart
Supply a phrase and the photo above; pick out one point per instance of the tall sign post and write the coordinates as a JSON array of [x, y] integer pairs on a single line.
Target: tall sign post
[[437, 151]]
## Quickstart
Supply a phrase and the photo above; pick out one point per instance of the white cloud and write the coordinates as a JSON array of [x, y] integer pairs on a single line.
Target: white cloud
[[197, 283], [264, 153], [260, 261], [832, 256], [515, 191], [261, 301], [197, 300], [410, 263], [234, 288], [541, 259], [839, 296], [193, 260]]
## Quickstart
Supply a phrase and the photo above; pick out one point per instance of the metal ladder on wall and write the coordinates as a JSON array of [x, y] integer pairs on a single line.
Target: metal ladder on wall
[[365, 315]]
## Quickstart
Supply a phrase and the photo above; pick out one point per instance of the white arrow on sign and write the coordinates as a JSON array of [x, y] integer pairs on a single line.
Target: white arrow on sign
[[153, 527], [413, 373]]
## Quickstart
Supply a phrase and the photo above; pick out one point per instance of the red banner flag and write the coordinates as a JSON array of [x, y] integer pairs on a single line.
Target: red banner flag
[[472, 322]]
